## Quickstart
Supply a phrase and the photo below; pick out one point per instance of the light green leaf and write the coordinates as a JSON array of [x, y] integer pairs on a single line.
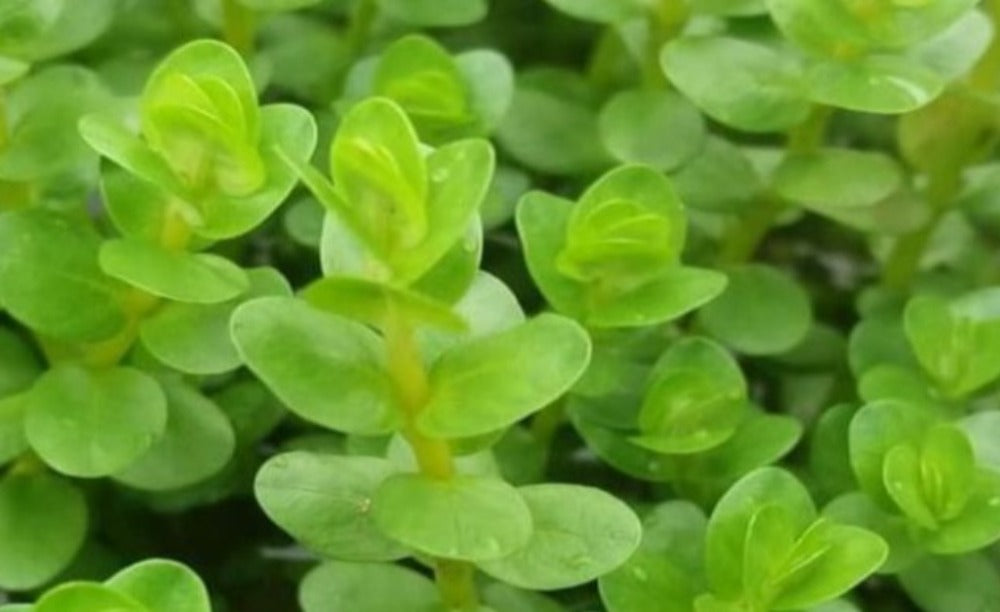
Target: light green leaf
[[661, 129], [579, 534], [542, 220], [43, 522], [194, 338], [472, 391], [725, 551], [366, 587], [762, 88], [761, 311], [827, 561], [380, 177], [162, 585], [325, 502], [551, 134], [307, 356], [695, 401], [90, 423], [489, 78], [966, 583], [601, 11], [87, 597], [57, 292], [837, 178], [196, 444], [886, 84], [469, 518], [200, 278]]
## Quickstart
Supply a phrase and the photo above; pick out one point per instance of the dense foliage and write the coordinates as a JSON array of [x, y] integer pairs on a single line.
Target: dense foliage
[[509, 306]]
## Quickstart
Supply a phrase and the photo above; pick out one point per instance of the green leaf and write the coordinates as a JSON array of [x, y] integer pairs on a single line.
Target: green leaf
[[967, 583], [41, 112], [954, 52], [666, 573], [505, 598], [472, 388], [420, 75], [200, 278], [436, 13], [763, 89], [90, 423], [827, 561], [380, 177], [287, 132], [469, 518], [876, 429], [489, 78], [661, 129], [760, 312], [825, 28], [19, 365], [459, 174], [672, 294], [857, 508], [628, 226], [307, 356], [977, 526], [12, 439], [366, 587], [196, 444], [878, 84], [601, 11], [551, 134], [579, 534], [695, 400], [325, 502], [194, 338], [56, 29], [43, 523], [375, 303], [542, 220], [86, 597], [162, 585], [58, 292], [11, 70], [719, 179], [955, 341], [106, 134], [837, 178], [725, 551]]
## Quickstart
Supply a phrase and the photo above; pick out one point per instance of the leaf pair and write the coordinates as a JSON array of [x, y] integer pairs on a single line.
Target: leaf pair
[[365, 509], [477, 386], [612, 259], [764, 549], [912, 463], [403, 209], [446, 97], [156, 585], [206, 151]]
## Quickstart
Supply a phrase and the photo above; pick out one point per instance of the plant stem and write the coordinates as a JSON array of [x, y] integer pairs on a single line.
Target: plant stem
[[238, 27], [359, 29], [434, 458], [4, 128], [175, 234], [904, 259], [745, 236]]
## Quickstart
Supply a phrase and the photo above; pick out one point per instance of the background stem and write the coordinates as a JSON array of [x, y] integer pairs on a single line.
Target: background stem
[[238, 27]]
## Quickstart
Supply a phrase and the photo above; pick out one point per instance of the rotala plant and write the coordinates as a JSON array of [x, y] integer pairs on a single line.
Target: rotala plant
[[580, 305], [405, 338]]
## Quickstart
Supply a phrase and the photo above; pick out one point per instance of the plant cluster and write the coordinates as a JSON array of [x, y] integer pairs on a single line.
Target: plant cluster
[[511, 306]]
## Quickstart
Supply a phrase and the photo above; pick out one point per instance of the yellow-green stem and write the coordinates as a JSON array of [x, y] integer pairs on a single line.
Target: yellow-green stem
[[175, 234], [4, 135], [359, 29], [434, 458], [239, 27]]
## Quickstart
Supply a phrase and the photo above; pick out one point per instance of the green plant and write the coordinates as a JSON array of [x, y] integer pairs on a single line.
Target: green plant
[[615, 305]]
